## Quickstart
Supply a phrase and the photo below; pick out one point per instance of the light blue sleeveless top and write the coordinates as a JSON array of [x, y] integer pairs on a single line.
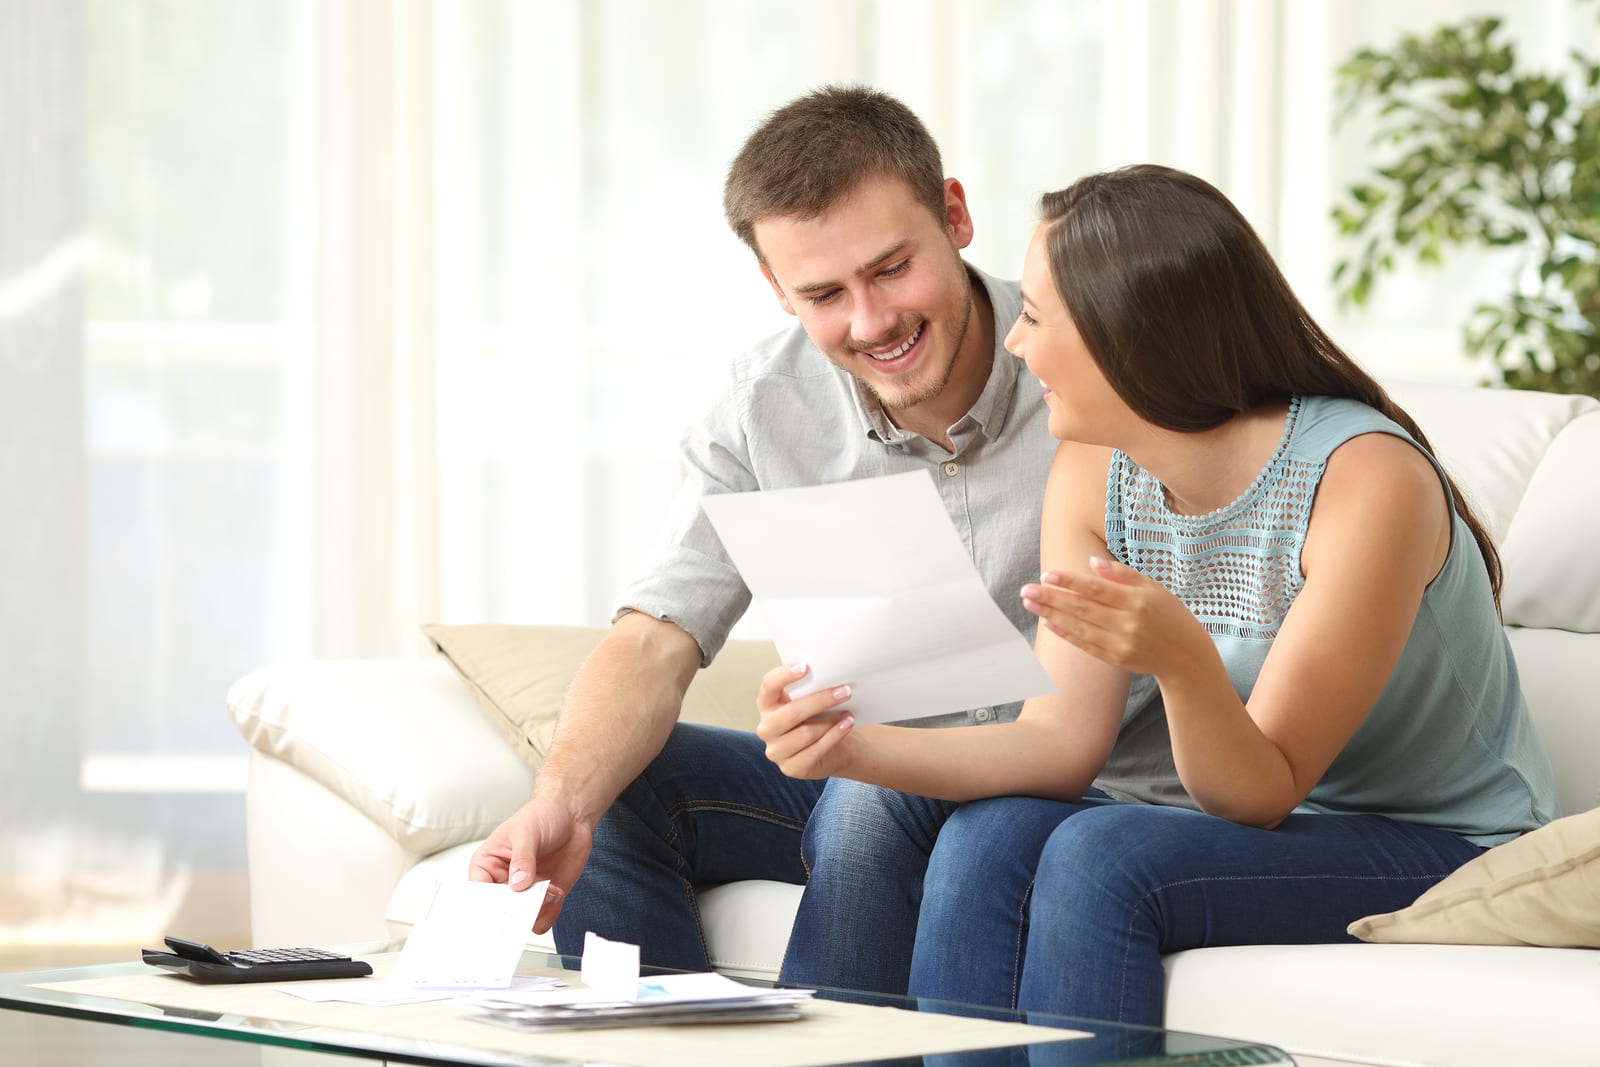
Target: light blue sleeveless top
[[1449, 742]]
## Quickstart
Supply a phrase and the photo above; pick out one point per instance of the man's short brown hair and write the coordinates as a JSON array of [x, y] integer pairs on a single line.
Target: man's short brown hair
[[813, 151]]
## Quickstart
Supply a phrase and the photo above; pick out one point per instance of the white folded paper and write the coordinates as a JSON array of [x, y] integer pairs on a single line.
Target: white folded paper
[[470, 936], [868, 583], [610, 967]]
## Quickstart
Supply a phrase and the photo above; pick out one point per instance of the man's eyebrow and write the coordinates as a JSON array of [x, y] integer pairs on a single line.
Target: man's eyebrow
[[871, 265]]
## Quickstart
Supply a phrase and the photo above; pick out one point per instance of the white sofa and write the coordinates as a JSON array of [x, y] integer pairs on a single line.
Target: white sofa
[[368, 779]]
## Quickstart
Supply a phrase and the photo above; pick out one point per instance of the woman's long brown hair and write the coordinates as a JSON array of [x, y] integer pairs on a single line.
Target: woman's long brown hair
[[1189, 318]]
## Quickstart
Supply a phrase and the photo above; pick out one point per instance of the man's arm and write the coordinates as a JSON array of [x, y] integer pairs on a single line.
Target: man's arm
[[625, 698], [617, 714]]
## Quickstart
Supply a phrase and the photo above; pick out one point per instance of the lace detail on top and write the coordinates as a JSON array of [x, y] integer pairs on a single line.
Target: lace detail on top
[[1236, 568]]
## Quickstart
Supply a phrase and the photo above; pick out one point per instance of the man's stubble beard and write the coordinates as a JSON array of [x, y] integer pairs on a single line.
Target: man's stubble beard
[[935, 388]]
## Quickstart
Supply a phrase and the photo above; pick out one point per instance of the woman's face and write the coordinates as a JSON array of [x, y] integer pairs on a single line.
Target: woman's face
[[1083, 406]]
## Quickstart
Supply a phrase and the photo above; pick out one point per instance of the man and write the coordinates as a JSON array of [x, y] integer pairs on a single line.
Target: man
[[895, 365]]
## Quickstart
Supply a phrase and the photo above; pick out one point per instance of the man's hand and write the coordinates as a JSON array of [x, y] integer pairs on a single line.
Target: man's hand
[[617, 715], [540, 840]]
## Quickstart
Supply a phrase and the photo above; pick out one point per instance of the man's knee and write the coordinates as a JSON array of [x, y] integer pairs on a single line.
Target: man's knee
[[696, 753], [695, 762]]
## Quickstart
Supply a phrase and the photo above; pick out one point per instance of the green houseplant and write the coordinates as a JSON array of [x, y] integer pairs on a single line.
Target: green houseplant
[[1477, 152]]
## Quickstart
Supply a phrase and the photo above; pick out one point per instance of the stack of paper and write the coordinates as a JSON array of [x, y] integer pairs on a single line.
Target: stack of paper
[[678, 998]]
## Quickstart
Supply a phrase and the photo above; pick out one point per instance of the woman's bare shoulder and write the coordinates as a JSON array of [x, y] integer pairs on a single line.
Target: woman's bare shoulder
[[1075, 496]]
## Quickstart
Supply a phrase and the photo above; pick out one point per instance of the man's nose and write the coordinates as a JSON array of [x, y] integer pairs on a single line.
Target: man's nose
[[873, 324]]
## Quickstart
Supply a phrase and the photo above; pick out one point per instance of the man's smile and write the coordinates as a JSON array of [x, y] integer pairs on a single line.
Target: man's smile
[[899, 350]]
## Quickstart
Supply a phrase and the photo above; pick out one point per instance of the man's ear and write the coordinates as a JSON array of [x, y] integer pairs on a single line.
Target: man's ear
[[783, 301], [956, 215]]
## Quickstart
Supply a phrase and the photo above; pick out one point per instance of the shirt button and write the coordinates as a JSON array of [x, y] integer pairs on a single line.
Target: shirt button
[[982, 714], [952, 469]]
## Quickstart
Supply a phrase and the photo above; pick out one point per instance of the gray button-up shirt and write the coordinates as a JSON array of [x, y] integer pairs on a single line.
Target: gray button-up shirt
[[790, 418]]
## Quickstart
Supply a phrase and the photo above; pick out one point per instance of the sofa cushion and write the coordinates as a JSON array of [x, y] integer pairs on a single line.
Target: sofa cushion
[[1402, 1005], [1550, 578], [1541, 889], [1560, 674], [1522, 459], [399, 740], [519, 676]]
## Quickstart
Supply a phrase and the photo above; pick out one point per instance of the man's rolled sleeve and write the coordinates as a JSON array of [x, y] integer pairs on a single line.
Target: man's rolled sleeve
[[703, 595]]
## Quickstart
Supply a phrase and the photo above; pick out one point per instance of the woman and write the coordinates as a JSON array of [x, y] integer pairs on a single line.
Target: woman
[[1242, 531]]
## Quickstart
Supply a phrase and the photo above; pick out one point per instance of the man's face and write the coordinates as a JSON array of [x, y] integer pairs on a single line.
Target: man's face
[[878, 284]]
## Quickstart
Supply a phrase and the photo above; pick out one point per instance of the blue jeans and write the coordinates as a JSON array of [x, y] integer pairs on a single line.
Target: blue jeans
[[1068, 908], [711, 808], [867, 850]]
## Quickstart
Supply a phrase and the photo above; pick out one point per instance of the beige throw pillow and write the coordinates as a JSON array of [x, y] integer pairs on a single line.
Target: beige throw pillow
[[519, 676], [1542, 888]]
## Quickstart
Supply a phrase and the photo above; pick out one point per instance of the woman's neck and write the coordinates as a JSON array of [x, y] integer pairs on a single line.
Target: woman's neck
[[1209, 469]]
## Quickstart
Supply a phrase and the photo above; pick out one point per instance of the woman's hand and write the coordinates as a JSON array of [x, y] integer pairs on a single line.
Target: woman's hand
[[1120, 617], [806, 735]]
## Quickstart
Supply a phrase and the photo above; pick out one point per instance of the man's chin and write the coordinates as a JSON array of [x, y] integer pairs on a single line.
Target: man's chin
[[918, 386], [903, 397]]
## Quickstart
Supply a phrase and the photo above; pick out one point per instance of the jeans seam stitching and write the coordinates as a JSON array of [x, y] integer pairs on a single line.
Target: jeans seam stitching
[[699, 925], [1020, 949], [692, 806]]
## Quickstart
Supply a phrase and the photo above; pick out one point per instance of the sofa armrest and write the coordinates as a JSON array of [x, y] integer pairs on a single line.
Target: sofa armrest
[[321, 872], [401, 741]]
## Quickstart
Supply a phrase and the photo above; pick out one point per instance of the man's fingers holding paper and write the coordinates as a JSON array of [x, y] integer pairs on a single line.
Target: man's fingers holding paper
[[553, 846], [533, 845], [490, 863], [554, 897]]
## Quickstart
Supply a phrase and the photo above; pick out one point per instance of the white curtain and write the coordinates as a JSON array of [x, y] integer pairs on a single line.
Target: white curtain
[[322, 319]]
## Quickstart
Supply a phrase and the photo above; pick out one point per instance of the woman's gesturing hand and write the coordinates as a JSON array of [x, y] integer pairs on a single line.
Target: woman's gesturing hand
[[805, 735], [1119, 616]]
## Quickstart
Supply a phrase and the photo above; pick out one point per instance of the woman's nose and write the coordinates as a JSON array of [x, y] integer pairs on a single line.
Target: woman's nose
[[1012, 340]]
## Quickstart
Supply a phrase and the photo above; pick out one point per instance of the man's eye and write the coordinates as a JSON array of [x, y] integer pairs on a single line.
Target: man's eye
[[898, 268], [823, 298]]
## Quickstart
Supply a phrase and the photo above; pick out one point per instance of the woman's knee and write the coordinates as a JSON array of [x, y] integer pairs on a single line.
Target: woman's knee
[[994, 845], [1116, 849], [859, 820]]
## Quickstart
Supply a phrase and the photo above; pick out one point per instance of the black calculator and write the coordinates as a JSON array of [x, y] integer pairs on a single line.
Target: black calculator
[[253, 965]]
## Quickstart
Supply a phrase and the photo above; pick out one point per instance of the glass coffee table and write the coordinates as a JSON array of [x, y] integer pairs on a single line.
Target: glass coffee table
[[839, 1027]]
